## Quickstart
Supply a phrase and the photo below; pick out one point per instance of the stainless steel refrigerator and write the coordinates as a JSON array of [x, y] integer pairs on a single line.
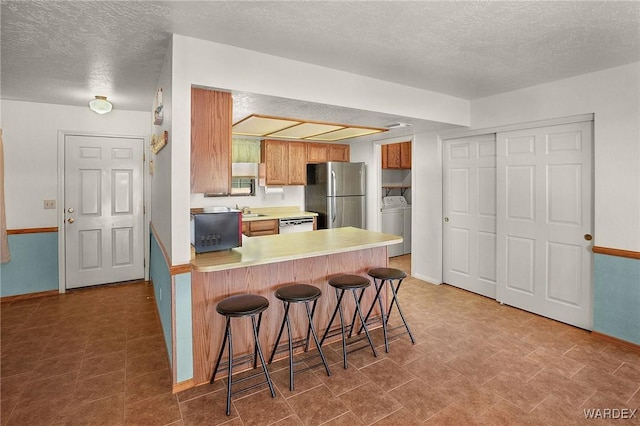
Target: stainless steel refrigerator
[[336, 191]]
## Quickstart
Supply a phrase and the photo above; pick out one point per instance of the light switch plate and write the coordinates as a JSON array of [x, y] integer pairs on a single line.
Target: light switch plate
[[49, 204]]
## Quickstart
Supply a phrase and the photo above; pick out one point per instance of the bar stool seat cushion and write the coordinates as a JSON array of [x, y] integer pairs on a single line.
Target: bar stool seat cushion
[[387, 273], [242, 305], [298, 293], [347, 281]]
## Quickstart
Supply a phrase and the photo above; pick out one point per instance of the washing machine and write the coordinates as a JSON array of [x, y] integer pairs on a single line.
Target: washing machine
[[396, 220]]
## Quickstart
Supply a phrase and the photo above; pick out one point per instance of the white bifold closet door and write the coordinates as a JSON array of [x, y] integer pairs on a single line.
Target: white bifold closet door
[[469, 206], [544, 221]]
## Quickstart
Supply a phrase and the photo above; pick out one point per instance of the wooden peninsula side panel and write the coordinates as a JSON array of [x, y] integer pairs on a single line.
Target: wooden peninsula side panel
[[209, 288]]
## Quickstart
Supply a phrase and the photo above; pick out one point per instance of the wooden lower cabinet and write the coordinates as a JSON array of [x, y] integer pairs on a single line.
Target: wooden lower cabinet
[[260, 227]]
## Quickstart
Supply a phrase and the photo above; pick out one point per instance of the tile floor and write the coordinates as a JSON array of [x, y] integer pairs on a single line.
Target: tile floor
[[97, 357]]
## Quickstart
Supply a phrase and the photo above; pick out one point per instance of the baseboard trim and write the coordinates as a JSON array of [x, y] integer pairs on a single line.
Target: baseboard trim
[[9, 299], [612, 339], [187, 384]]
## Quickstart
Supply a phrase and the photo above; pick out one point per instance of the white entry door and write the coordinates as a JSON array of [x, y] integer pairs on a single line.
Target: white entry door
[[469, 206], [545, 220], [103, 195]]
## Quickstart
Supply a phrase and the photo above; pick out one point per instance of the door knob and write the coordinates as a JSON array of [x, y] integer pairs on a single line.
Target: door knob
[[446, 219], [588, 237], [70, 220]]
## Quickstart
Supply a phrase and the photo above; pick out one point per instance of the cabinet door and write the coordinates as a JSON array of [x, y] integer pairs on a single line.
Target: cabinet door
[[297, 163], [393, 156], [339, 152], [275, 155], [385, 156], [317, 153], [210, 141], [405, 155]]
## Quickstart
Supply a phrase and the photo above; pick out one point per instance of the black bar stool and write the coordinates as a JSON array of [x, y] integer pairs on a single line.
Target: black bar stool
[[299, 293], [242, 305], [380, 277], [342, 283]]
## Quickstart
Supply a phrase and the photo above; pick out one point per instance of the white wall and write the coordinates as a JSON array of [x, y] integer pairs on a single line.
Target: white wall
[[161, 180], [198, 62], [30, 135], [613, 95]]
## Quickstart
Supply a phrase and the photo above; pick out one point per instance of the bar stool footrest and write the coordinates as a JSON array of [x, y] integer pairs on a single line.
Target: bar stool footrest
[[244, 359], [284, 347], [309, 367], [236, 392]]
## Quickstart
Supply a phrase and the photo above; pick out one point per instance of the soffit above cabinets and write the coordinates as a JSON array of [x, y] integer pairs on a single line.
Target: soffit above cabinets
[[291, 128]]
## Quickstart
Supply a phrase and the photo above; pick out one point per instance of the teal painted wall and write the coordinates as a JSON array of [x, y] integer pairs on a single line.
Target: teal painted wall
[[161, 279], [184, 330], [616, 310], [33, 266]]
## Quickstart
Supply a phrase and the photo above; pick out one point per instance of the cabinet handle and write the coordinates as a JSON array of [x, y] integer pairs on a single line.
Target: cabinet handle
[[446, 219]]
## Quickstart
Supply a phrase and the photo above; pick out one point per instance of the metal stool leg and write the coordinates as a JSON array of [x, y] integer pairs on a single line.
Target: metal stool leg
[[230, 370], [355, 313], [315, 335], [366, 330], [344, 339], [286, 313], [224, 342], [259, 351], [394, 292], [286, 318], [379, 285], [333, 316]]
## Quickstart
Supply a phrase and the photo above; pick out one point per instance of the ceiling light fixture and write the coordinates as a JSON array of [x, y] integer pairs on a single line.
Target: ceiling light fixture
[[397, 125], [100, 105], [292, 128]]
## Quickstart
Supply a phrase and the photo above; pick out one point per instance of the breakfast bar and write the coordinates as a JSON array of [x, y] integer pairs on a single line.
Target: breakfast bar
[[262, 265]]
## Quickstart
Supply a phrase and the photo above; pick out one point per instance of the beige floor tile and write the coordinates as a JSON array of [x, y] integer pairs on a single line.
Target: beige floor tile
[[370, 403], [317, 406]]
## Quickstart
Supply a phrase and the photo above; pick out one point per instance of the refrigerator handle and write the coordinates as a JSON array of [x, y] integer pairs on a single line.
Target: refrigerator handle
[[333, 199]]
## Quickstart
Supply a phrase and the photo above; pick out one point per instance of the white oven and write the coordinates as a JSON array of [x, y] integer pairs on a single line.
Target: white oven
[[296, 224]]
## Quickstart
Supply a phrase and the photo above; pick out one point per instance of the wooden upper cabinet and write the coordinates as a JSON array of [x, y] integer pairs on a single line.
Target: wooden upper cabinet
[[210, 141], [297, 163], [285, 162], [405, 155], [317, 152], [396, 156], [275, 155], [323, 152], [339, 152]]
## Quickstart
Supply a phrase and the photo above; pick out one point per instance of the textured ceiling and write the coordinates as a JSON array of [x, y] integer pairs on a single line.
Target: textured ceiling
[[66, 52]]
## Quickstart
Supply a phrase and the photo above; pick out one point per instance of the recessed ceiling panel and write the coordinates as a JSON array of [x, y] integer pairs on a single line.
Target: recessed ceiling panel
[[350, 132], [291, 128], [306, 130], [259, 126]]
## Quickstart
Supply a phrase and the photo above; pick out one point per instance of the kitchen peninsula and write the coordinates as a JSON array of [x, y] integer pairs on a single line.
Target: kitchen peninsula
[[266, 263]]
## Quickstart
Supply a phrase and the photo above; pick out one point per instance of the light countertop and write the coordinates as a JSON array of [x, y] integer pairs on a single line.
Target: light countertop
[[270, 213], [283, 247]]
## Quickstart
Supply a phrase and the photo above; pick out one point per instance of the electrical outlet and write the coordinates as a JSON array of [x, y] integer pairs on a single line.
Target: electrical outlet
[[49, 204]]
